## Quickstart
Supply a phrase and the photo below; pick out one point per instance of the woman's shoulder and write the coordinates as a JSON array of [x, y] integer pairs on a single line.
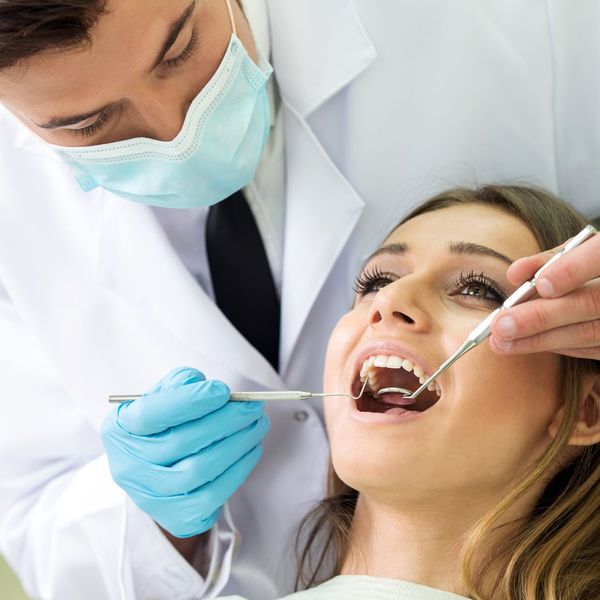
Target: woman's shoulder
[[362, 587]]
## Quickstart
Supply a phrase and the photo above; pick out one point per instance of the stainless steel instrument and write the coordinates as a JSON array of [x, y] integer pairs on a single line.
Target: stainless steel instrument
[[484, 329], [266, 396]]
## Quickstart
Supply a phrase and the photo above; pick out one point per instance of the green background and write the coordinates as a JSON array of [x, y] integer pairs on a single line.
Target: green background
[[9, 584]]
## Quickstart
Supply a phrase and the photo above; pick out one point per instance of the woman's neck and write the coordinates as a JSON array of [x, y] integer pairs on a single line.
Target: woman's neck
[[421, 544]]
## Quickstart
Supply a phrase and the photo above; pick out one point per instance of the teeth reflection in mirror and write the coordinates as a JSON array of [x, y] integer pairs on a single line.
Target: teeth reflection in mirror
[[370, 366]]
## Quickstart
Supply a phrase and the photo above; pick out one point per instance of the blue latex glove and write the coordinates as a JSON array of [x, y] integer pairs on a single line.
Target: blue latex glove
[[182, 449]]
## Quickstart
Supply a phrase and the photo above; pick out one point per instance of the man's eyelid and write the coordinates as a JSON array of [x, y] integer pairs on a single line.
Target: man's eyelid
[[83, 124], [189, 30]]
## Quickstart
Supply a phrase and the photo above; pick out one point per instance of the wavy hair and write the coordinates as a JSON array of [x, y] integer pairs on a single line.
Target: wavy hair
[[553, 553]]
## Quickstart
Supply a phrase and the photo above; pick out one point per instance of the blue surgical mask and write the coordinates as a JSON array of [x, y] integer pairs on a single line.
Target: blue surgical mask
[[215, 154]]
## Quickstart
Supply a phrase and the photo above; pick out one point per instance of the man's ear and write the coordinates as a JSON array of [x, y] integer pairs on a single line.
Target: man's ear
[[587, 428]]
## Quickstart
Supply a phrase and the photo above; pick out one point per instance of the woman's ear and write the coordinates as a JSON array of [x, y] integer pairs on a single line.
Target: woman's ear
[[587, 428]]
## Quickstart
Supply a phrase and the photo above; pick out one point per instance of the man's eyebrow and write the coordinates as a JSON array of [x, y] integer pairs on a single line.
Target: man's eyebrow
[[174, 31], [454, 247], [57, 122]]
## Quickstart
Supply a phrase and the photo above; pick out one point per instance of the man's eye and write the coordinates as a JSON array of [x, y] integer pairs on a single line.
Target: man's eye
[[479, 287], [187, 53], [95, 127], [371, 281]]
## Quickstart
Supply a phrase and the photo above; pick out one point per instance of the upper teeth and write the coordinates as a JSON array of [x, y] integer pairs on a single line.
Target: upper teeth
[[369, 370]]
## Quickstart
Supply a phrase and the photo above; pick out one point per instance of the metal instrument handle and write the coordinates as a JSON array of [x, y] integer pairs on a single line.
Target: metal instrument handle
[[484, 329], [235, 396]]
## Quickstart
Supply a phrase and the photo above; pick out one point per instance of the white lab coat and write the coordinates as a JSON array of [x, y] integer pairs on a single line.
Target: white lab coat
[[385, 103]]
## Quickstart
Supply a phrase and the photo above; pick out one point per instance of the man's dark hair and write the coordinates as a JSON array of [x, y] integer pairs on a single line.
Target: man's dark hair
[[28, 27]]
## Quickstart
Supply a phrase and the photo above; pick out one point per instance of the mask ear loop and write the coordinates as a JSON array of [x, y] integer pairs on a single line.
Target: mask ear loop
[[231, 18]]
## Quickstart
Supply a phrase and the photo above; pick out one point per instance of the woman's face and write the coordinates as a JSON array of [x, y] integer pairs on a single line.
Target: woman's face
[[434, 279]]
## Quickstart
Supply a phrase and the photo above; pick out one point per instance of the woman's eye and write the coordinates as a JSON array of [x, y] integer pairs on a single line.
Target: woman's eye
[[479, 287], [371, 281]]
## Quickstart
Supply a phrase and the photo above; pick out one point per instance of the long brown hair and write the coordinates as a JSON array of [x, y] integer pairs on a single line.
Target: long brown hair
[[554, 552]]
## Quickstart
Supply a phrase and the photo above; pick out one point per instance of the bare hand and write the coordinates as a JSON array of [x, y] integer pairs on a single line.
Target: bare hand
[[566, 318]]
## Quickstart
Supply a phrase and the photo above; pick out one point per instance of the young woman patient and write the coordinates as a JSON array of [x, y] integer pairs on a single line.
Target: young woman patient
[[488, 486]]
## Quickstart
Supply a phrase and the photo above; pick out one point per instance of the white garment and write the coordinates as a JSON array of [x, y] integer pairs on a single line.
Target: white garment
[[362, 587], [384, 104], [266, 198]]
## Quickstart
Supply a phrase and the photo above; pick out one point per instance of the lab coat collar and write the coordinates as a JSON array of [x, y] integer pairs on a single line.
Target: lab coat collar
[[258, 18], [322, 211], [137, 263], [318, 49], [316, 52]]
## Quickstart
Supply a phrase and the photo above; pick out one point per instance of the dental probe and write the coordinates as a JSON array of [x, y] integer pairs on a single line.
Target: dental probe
[[259, 396], [484, 329]]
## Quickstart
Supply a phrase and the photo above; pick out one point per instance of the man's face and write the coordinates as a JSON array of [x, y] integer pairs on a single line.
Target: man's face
[[147, 62]]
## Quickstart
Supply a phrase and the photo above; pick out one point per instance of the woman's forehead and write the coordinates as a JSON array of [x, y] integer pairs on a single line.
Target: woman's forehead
[[473, 223]]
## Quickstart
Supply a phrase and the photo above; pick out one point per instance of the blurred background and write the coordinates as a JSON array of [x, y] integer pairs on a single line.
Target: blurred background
[[9, 585]]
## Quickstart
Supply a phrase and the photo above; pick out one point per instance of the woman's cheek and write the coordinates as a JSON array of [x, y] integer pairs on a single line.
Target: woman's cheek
[[513, 399], [342, 342]]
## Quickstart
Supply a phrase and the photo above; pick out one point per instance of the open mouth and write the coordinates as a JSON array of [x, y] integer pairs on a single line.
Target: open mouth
[[393, 371]]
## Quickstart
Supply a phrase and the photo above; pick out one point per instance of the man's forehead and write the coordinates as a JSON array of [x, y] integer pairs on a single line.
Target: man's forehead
[[124, 40]]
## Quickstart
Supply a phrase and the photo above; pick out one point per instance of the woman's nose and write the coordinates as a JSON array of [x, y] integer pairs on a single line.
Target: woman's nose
[[397, 306]]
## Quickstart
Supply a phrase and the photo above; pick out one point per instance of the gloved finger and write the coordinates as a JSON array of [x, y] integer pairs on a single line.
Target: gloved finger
[[157, 412], [199, 469], [176, 377], [187, 514], [183, 529], [176, 443]]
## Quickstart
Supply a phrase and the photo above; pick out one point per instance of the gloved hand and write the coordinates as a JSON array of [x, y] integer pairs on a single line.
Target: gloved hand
[[182, 449]]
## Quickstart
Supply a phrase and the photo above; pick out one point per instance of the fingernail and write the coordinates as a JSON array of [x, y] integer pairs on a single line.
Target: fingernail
[[544, 287], [506, 327], [503, 345]]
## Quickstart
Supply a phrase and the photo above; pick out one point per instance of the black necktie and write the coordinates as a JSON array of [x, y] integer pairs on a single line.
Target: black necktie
[[241, 275]]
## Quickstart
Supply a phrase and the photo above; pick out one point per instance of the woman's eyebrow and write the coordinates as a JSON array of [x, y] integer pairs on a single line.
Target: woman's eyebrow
[[477, 249], [458, 248]]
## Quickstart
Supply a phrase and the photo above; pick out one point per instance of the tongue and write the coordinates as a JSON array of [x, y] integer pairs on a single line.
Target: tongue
[[397, 399], [396, 410]]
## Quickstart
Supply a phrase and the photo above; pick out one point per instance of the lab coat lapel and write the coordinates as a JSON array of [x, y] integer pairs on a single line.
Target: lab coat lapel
[[137, 262], [322, 207], [318, 47]]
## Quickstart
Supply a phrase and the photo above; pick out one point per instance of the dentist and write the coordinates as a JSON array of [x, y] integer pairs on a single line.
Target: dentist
[[129, 128]]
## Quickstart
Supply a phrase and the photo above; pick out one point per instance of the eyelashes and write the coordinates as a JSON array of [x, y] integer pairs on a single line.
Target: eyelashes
[[187, 53], [96, 126], [372, 280], [479, 286]]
